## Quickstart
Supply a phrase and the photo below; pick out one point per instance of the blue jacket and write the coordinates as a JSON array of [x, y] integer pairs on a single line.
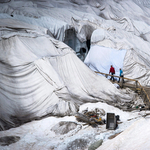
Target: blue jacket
[[121, 72]]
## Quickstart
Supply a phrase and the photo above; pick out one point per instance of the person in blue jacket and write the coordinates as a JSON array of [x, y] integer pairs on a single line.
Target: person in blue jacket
[[121, 75]]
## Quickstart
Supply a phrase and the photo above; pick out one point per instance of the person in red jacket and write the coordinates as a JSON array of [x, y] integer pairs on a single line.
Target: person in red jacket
[[112, 72]]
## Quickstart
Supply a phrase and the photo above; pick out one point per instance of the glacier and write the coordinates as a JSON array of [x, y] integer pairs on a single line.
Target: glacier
[[44, 48]]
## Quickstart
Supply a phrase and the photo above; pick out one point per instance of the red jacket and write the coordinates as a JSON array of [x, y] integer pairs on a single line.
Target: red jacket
[[112, 70]]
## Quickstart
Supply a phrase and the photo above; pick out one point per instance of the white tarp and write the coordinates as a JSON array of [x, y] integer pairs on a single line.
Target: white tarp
[[24, 53], [40, 76], [101, 58]]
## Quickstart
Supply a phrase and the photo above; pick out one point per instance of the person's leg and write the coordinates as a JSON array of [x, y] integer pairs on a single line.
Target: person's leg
[[113, 77], [123, 79]]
